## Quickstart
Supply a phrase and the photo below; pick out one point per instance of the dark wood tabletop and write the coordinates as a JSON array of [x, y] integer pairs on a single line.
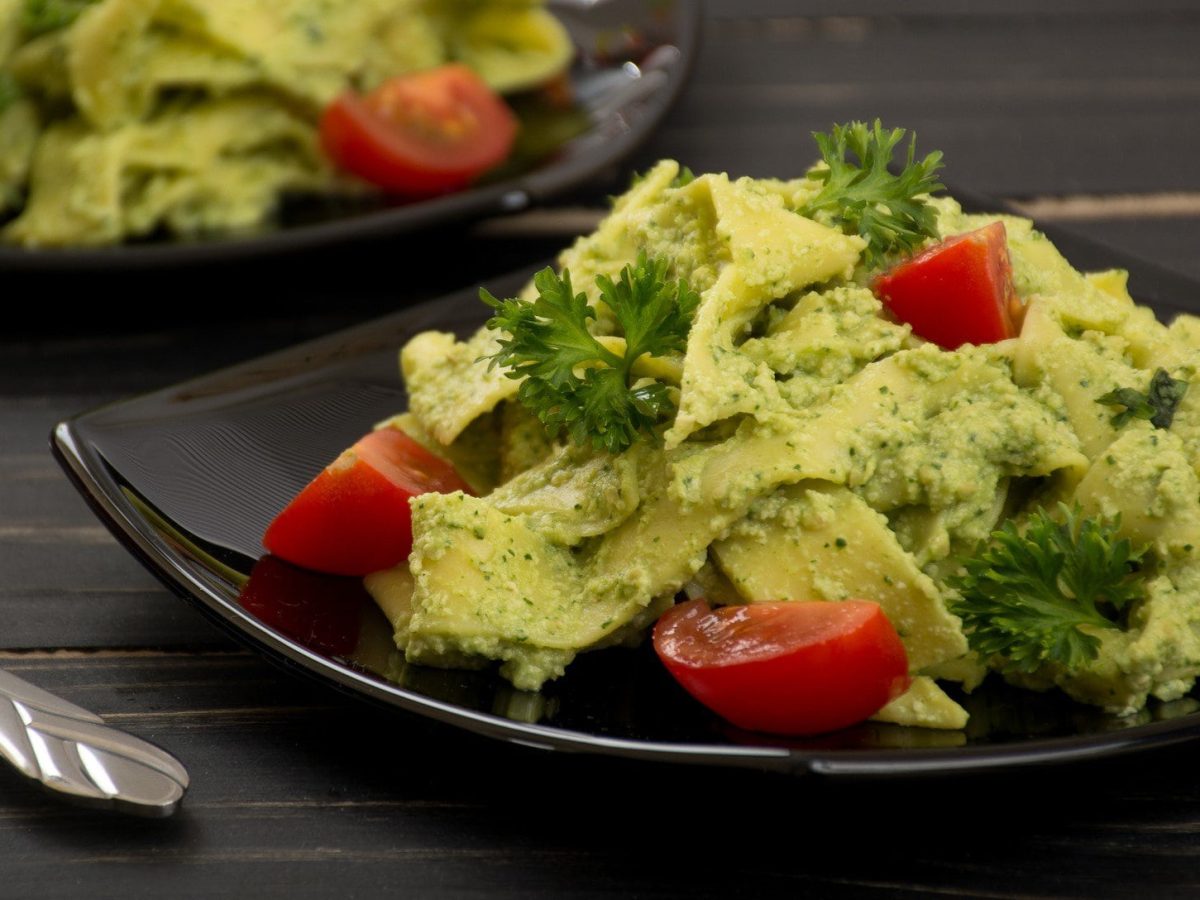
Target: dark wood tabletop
[[1085, 112]]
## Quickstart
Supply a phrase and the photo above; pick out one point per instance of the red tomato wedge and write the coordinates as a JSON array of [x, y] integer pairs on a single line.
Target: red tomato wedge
[[787, 668], [957, 292], [423, 134], [353, 518]]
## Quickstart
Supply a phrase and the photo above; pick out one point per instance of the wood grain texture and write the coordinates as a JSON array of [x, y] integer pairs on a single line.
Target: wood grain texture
[[299, 792], [1174, 242], [1018, 104], [950, 11]]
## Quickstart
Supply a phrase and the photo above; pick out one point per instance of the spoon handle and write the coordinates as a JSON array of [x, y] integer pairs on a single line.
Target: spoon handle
[[72, 751]]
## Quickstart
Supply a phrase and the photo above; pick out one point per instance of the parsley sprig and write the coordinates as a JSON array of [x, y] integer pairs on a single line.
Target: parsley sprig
[[1158, 404], [41, 16], [865, 198], [10, 91], [572, 381], [1026, 596]]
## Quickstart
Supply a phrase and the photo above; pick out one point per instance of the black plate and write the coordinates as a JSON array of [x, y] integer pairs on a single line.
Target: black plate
[[632, 59], [189, 477]]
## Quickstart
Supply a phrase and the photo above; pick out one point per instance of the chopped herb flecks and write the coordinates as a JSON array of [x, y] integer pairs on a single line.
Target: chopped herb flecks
[[1158, 404]]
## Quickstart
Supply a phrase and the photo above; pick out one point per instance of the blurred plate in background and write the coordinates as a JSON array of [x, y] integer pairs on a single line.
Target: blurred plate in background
[[632, 59]]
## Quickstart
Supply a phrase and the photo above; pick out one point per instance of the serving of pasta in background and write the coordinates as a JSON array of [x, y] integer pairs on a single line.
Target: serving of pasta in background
[[126, 118]]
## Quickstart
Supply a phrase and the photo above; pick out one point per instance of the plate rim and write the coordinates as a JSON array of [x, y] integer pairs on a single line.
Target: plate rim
[[90, 476], [513, 195]]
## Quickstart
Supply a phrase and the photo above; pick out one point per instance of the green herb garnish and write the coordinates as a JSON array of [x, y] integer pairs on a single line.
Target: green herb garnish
[[1026, 594], [41, 16], [10, 91], [865, 198], [574, 383], [1158, 404], [685, 177]]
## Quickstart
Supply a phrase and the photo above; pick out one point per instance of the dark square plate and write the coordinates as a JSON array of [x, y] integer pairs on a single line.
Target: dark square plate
[[188, 478]]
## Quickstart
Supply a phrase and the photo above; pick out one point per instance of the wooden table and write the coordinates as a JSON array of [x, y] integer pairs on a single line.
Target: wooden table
[[1086, 111]]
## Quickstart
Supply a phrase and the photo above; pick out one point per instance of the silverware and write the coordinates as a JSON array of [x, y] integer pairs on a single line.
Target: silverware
[[72, 751]]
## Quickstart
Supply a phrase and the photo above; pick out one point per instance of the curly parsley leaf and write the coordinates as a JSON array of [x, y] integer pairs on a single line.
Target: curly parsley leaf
[[685, 177], [10, 91], [573, 382], [1158, 404], [41, 16], [1026, 595], [864, 197]]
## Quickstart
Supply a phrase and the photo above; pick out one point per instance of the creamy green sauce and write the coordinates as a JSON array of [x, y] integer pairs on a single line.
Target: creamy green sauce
[[820, 451]]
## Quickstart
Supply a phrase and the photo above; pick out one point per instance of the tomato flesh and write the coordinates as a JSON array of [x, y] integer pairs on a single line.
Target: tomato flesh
[[354, 517], [787, 668], [957, 292], [420, 135]]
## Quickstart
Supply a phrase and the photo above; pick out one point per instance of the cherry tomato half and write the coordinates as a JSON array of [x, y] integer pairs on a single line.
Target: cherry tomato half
[[353, 518], [957, 292], [788, 668], [422, 134]]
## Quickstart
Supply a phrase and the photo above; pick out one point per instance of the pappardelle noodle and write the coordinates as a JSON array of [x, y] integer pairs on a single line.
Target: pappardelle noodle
[[807, 445]]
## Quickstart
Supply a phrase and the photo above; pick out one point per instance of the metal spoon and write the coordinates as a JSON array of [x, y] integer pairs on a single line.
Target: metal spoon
[[72, 751]]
